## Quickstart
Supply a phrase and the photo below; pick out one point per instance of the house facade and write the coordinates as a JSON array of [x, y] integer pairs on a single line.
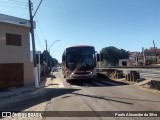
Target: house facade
[[16, 68], [151, 55], [123, 62], [135, 59]]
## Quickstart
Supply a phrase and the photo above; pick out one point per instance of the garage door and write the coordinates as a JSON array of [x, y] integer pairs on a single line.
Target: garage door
[[11, 75]]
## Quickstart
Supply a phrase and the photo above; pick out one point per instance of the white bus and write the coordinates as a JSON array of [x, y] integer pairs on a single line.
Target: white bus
[[79, 62]]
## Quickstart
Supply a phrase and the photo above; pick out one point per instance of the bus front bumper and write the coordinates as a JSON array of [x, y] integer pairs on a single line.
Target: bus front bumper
[[81, 76]]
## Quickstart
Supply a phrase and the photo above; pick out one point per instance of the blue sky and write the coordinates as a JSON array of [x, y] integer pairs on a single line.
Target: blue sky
[[127, 24]]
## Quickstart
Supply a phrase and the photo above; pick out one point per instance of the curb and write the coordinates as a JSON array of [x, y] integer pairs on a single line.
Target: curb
[[154, 84]]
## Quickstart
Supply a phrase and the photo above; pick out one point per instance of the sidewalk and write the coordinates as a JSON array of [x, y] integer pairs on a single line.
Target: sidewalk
[[18, 96]]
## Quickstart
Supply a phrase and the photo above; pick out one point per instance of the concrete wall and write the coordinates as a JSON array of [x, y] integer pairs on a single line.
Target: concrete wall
[[123, 60], [16, 54]]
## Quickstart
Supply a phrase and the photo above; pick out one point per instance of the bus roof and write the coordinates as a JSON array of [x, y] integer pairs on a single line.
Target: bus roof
[[79, 46]]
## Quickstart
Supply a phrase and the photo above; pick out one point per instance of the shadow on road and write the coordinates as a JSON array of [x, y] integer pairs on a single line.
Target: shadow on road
[[108, 98], [33, 100], [97, 82], [132, 99], [106, 78], [101, 97], [50, 76]]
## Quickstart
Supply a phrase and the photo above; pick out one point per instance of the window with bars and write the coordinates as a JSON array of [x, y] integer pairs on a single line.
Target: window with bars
[[13, 39]]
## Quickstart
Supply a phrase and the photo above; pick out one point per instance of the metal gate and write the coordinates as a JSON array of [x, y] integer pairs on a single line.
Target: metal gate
[[11, 75]]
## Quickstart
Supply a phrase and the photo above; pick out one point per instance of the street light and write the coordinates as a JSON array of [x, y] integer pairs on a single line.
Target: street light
[[52, 44], [48, 48]]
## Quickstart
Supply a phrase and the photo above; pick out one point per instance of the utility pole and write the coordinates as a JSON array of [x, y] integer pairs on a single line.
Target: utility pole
[[136, 60], [46, 54], [144, 60], [33, 45], [155, 51]]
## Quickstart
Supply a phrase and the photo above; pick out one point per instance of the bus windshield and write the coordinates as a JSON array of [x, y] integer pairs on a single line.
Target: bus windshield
[[81, 58]]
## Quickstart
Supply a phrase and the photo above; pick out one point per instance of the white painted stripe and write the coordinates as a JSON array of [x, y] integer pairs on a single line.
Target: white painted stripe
[[110, 83], [61, 85]]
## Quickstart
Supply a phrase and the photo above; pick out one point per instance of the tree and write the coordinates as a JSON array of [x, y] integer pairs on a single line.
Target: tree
[[111, 55], [51, 61]]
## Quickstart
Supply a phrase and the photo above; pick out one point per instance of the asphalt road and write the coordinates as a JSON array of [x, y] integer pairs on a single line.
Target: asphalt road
[[101, 99], [152, 73]]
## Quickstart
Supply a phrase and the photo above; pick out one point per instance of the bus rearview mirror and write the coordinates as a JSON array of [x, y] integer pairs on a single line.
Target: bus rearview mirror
[[63, 58], [99, 57]]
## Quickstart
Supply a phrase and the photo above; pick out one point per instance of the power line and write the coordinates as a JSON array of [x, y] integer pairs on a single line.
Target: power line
[[13, 7], [41, 30], [24, 4], [38, 40], [44, 38], [37, 8], [17, 1], [37, 21]]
